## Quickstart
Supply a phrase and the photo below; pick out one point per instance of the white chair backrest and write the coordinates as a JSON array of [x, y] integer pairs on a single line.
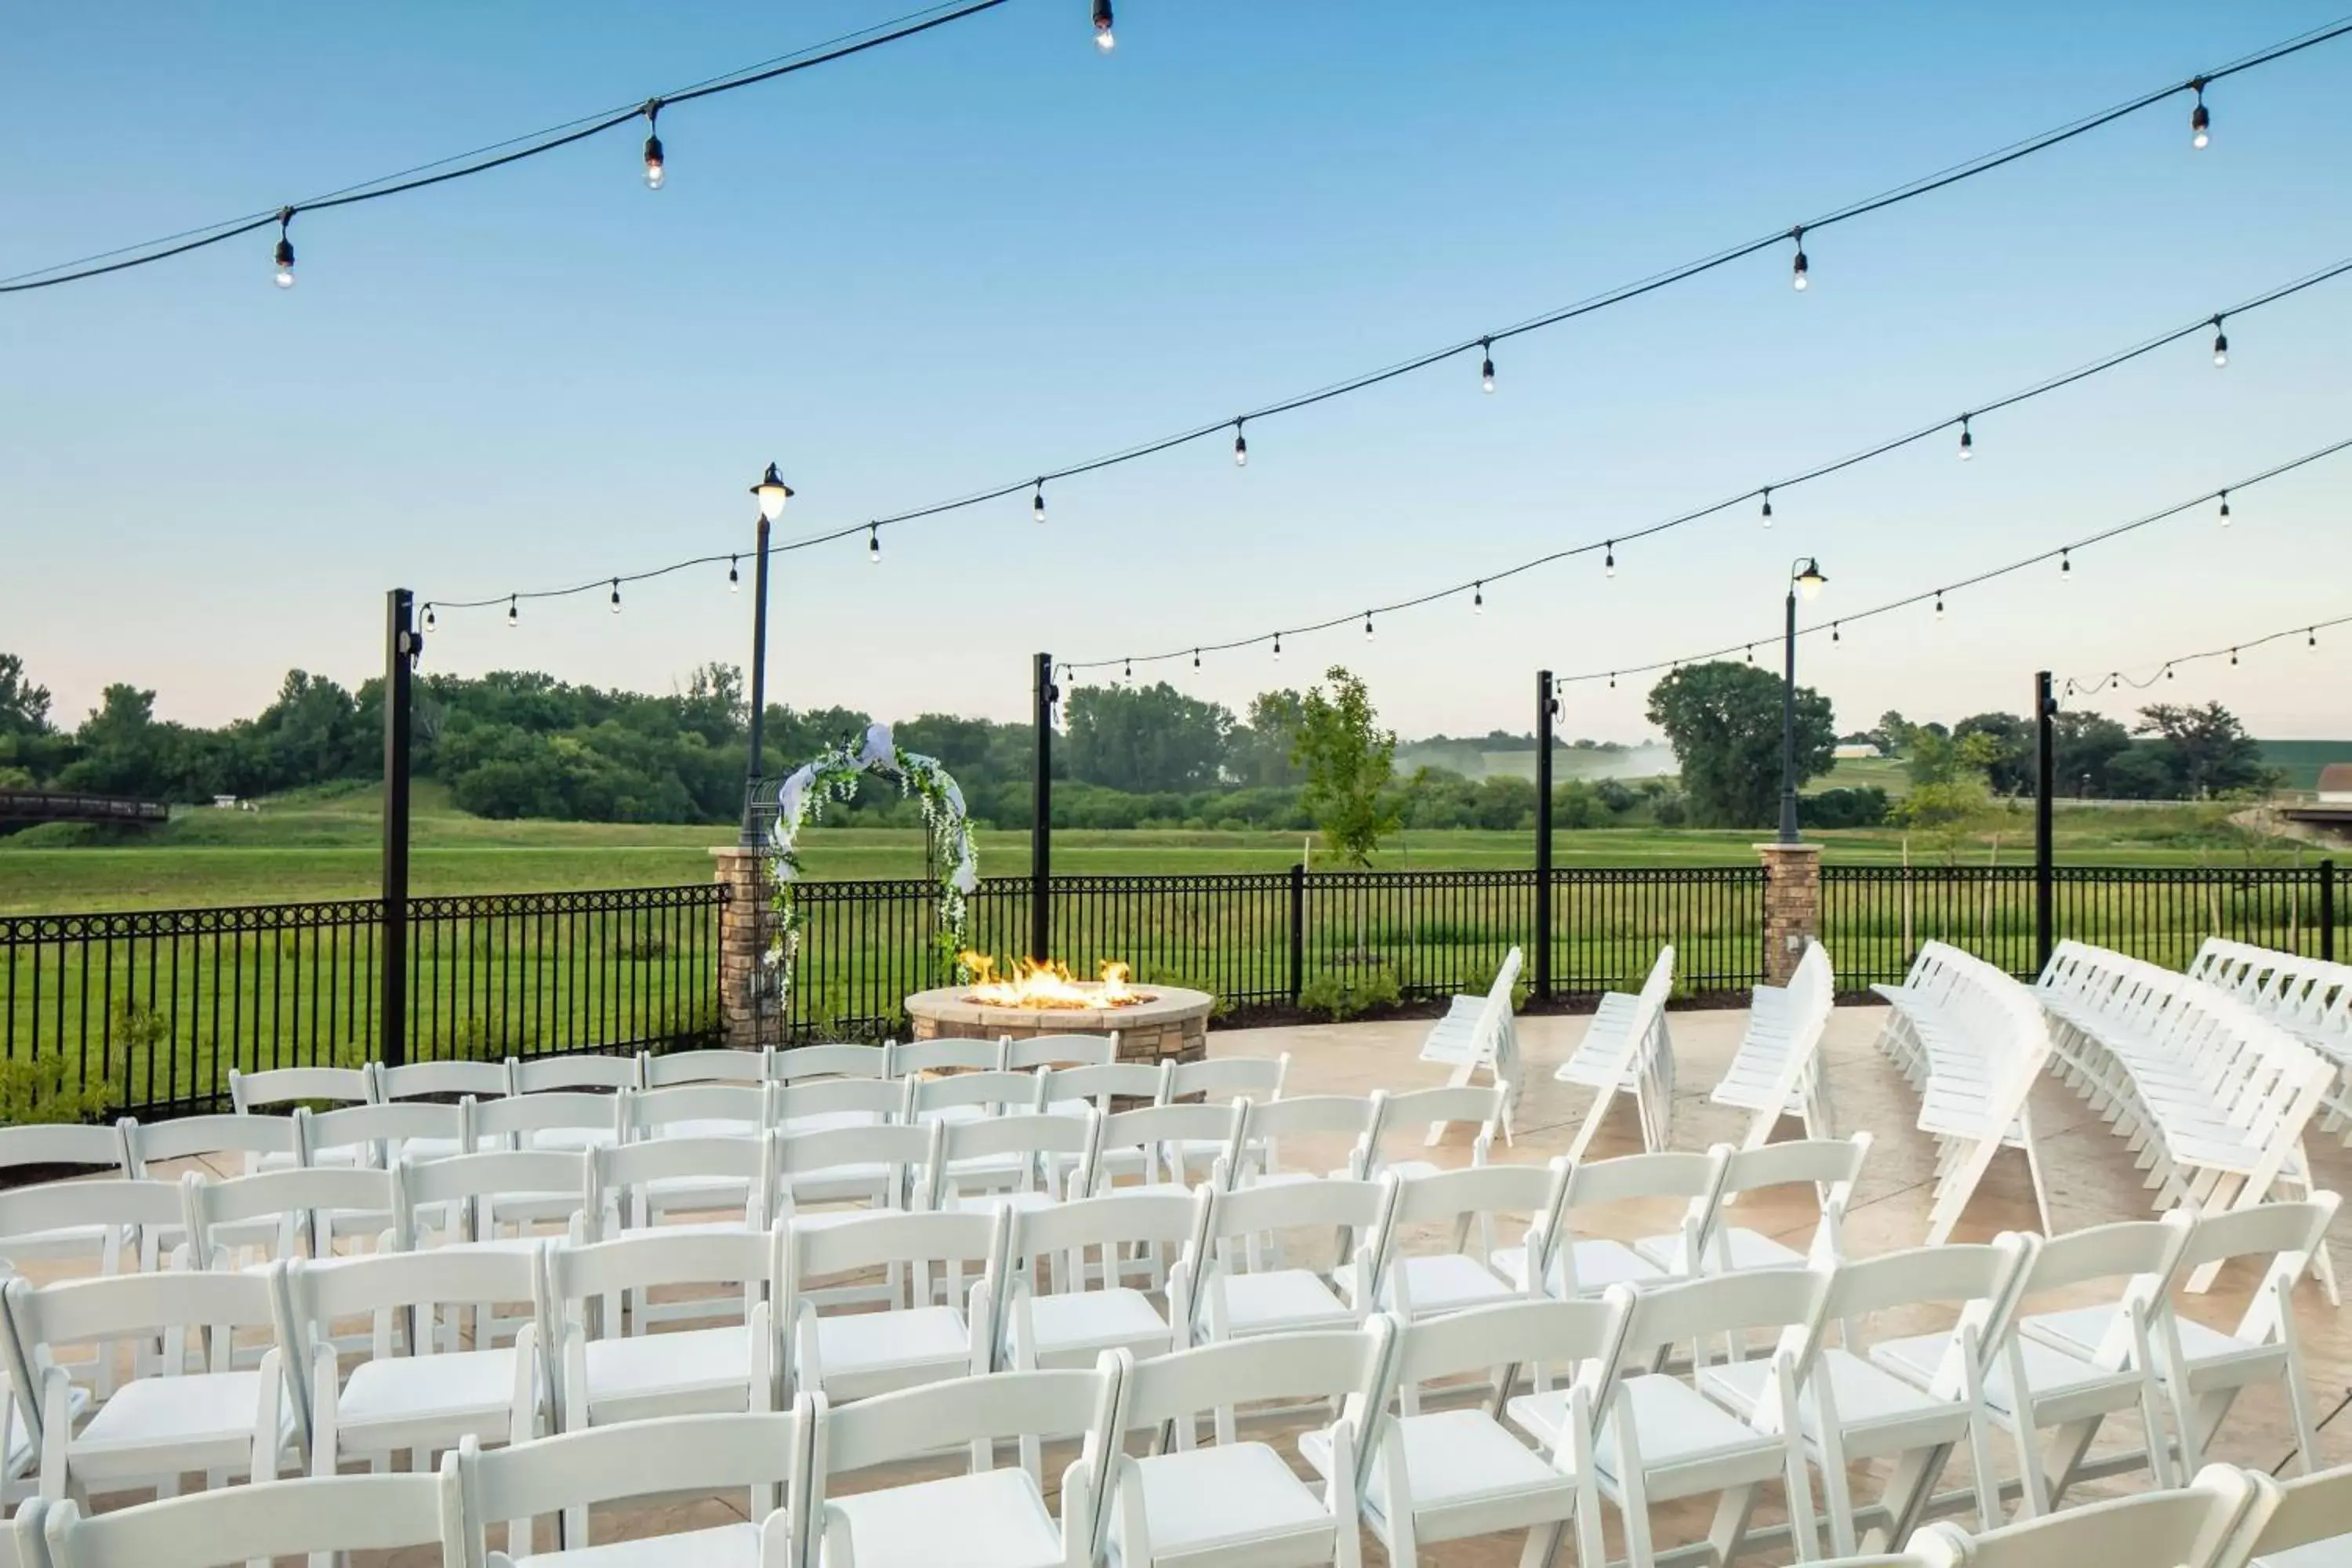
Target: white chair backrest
[[947, 1054], [2286, 1233], [292, 1195], [172, 1301], [1404, 1114], [651, 1259], [1833, 1163], [2195, 1527], [63, 1144], [1344, 1363], [971, 1411], [583, 1070], [1105, 1083], [234, 1525], [1668, 1313], [618, 1169], [1104, 1224], [988, 1137], [1256, 1077], [416, 1081], [502, 1172], [899, 1145], [147, 1143], [382, 1129], [992, 1090], [1981, 1278], [515, 1118], [706, 1067], [63, 1205], [1060, 1050], [834, 1099], [653, 1111], [950, 1241], [2310, 1508], [799, 1062], [248, 1091]]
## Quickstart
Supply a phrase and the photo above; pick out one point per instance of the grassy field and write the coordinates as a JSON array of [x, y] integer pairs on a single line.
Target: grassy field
[[326, 847]]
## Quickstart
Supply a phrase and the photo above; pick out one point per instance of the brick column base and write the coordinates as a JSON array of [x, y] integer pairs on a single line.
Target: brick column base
[[746, 1008], [1792, 905]]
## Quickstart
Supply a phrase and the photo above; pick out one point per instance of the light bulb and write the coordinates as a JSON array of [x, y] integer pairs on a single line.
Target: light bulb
[[2225, 508], [1767, 506], [1241, 446], [430, 622], [771, 493], [2167, 672], [1196, 659], [1751, 653], [1968, 441], [1368, 625], [734, 578], [1103, 38], [616, 596], [1834, 632], [1939, 607], [1609, 561], [1277, 648], [1613, 680], [2066, 565], [1798, 270], [512, 619], [2311, 639], [1486, 370], [1037, 503], [282, 259], [1130, 671], [2200, 121], [2220, 344], [874, 544], [653, 172], [1478, 598], [2233, 659]]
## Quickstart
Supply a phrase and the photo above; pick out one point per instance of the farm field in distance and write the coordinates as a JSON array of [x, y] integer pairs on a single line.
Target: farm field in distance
[[324, 846]]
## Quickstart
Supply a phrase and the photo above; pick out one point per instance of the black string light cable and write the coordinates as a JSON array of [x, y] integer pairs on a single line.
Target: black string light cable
[[1475, 587], [1936, 595], [497, 155], [2307, 633]]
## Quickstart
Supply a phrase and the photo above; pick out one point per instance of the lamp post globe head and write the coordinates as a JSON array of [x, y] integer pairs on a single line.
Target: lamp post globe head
[[771, 493], [1810, 577]]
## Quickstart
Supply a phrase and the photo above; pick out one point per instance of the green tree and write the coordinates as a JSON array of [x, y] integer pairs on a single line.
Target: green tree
[[2011, 768], [1951, 797], [2211, 753], [1724, 723], [23, 707], [2082, 747], [1146, 738], [1350, 766], [1259, 751]]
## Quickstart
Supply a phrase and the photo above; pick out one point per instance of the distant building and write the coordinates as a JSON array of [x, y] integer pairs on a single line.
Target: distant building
[[224, 802], [2335, 784], [1856, 752]]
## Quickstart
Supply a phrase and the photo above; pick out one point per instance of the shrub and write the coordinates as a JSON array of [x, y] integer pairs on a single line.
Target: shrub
[[1865, 807], [37, 1088], [1345, 990]]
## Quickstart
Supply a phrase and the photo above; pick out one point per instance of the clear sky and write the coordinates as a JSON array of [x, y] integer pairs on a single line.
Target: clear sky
[[954, 262]]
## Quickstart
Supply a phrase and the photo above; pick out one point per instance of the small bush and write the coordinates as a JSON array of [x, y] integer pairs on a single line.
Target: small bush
[[1347, 991], [37, 1089]]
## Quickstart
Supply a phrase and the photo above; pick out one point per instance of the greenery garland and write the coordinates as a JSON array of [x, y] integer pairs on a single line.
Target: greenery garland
[[834, 774]]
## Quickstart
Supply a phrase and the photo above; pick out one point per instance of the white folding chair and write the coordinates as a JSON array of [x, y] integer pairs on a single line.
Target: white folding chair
[[1255, 1271], [1853, 1410], [1158, 1144], [1351, 1120], [1626, 1049], [910, 1059], [610, 1376], [1445, 1474], [700, 1109], [119, 1219], [1485, 1210], [1582, 1265], [985, 1515], [216, 1419], [2311, 1527], [1402, 1115], [1829, 1165], [797, 1063], [568, 1122], [964, 1096], [2206, 1524], [323, 1517], [716, 1065], [1213, 1080], [451, 1081], [1662, 1438], [288, 1213], [1084, 1308], [1237, 1502], [1018, 1162], [1478, 1032], [916, 1338], [2203, 1369], [256, 1093], [765, 1453], [95, 1149], [822, 1104], [575, 1072], [478, 1192], [1060, 1050], [420, 1389], [1777, 1069]]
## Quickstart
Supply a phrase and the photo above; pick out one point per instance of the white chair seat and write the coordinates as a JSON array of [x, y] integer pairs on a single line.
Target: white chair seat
[[989, 1202], [1600, 1263], [2335, 1552], [469, 1385], [1281, 1299], [1748, 1249], [696, 1361], [1197, 1500], [992, 1520], [1451, 1458], [2209, 1351], [1095, 1321], [1867, 1396], [205, 1419], [1446, 1282], [1677, 1426], [723, 1546], [853, 1342], [2050, 1375]]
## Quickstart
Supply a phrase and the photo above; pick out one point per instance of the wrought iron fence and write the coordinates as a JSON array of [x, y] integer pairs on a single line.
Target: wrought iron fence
[[1874, 918], [146, 1013]]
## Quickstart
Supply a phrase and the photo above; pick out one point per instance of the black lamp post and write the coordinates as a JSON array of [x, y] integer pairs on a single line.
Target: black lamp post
[[771, 493], [1805, 577]]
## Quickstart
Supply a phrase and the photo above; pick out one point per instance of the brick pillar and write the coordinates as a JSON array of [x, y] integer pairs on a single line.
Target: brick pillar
[[1792, 905], [745, 1010]]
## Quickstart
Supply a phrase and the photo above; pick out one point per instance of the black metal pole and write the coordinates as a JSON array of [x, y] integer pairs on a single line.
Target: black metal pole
[[758, 684], [1789, 724], [1547, 708], [402, 643], [1041, 818], [2045, 791], [2328, 911]]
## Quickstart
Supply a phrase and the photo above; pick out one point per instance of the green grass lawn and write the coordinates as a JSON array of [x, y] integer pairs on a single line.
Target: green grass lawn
[[325, 845]]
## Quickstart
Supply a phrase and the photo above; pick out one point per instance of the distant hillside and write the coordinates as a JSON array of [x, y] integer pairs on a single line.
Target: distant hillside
[[1472, 759], [2301, 761]]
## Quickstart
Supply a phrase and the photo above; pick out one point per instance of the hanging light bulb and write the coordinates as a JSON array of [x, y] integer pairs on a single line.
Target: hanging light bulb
[[874, 544], [771, 493], [655, 173], [1129, 672], [2066, 564], [1037, 503], [1939, 607], [1196, 659], [734, 578], [2167, 672], [1368, 625], [1613, 680], [2220, 344], [283, 257], [512, 619], [1751, 653], [2311, 639], [1833, 631], [1797, 278], [1609, 561], [2200, 121], [1241, 446], [1487, 370], [2225, 508], [1767, 506], [1103, 40], [1478, 598], [1277, 648], [1968, 441], [429, 621], [2233, 659], [616, 596]]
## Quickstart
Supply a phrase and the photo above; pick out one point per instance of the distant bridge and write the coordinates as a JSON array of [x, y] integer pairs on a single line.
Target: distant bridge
[[25, 806]]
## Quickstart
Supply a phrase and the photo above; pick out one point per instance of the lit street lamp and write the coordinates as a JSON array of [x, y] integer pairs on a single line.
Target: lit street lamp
[[771, 493], [1805, 577]]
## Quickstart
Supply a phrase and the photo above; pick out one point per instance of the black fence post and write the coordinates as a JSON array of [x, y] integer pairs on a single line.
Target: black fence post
[[401, 644], [2328, 911], [2045, 776], [1547, 708], [1040, 813], [1297, 931]]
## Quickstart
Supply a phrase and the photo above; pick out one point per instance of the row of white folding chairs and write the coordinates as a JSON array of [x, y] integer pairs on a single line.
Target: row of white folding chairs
[[1778, 1069], [1625, 1049], [2310, 998], [1972, 1042], [1479, 1033], [2212, 1096]]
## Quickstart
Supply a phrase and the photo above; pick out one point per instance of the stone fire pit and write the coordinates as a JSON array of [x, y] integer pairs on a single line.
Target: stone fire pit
[[1172, 1026]]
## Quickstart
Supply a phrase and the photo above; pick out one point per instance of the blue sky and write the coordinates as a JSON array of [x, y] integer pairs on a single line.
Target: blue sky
[[954, 262]]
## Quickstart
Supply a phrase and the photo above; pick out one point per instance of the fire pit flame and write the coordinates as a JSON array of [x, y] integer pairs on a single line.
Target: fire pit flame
[[1050, 985]]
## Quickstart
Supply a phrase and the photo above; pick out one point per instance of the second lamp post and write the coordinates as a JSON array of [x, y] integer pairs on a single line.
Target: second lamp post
[[1805, 577], [771, 493]]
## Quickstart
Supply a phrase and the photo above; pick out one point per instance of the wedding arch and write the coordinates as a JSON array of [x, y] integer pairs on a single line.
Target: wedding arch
[[834, 774]]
